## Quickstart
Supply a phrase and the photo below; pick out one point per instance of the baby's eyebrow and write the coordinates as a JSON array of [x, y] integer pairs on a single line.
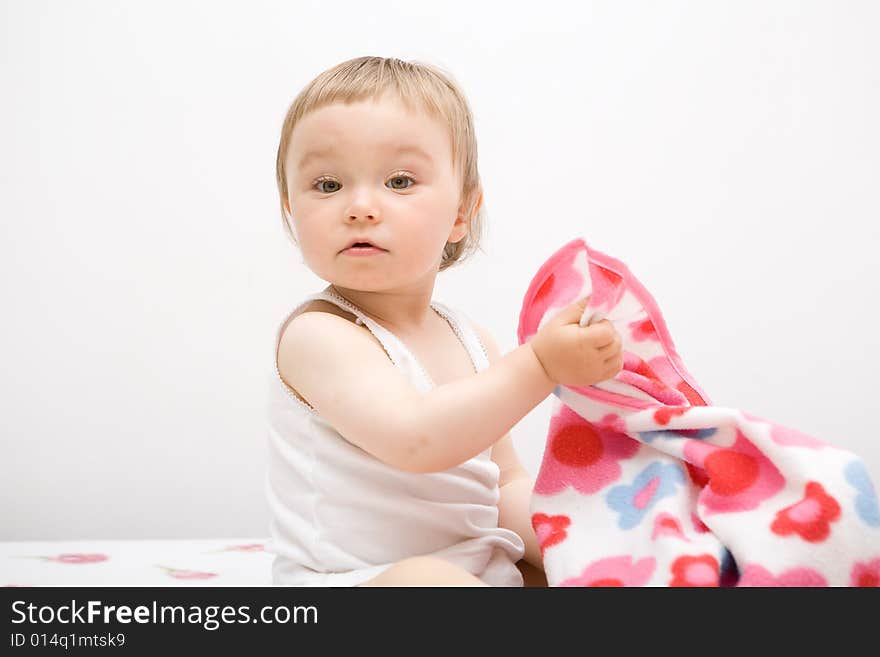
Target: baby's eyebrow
[[402, 148]]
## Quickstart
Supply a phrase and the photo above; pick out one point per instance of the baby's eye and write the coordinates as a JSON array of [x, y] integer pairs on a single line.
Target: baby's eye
[[325, 180], [399, 177]]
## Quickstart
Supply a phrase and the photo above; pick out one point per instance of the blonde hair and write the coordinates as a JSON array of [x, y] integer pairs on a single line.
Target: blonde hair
[[418, 85]]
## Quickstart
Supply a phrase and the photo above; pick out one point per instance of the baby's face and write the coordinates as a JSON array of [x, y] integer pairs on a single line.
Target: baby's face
[[373, 170]]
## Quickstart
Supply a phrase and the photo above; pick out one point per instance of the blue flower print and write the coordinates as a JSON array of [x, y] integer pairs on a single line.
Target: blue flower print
[[653, 483], [866, 498]]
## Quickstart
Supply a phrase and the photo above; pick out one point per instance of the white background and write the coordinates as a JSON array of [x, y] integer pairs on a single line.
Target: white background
[[728, 152]]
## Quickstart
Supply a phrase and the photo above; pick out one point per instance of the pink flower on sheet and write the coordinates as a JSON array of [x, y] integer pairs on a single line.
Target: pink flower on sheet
[[702, 570], [250, 547], [754, 575], [549, 530], [79, 558], [666, 524], [179, 573], [785, 435], [810, 518], [739, 477], [581, 454], [866, 574], [614, 571]]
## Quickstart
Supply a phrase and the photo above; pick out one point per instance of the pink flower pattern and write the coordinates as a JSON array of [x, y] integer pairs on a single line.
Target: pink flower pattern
[[755, 575], [582, 455], [741, 470], [811, 517], [700, 570], [614, 571], [739, 477], [666, 524], [866, 574]]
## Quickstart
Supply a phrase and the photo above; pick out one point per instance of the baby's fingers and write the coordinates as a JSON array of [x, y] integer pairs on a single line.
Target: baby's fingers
[[615, 359], [571, 314], [603, 335]]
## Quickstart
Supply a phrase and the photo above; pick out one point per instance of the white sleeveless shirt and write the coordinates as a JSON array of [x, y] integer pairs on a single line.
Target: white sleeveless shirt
[[340, 516]]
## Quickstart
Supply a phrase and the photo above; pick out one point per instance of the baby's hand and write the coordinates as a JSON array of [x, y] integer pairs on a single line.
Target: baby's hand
[[577, 355]]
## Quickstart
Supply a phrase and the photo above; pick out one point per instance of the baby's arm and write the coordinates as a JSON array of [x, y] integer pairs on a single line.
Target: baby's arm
[[464, 417], [339, 369]]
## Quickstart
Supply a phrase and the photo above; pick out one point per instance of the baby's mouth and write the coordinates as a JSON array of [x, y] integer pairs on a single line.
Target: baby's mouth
[[362, 248]]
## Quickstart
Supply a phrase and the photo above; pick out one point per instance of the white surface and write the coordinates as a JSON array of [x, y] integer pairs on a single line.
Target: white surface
[[728, 152], [180, 562]]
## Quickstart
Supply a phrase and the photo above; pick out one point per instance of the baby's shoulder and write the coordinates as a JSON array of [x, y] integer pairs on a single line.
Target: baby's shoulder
[[318, 326], [316, 320]]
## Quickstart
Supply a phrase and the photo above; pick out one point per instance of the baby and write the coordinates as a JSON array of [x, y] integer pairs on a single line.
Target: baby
[[390, 461]]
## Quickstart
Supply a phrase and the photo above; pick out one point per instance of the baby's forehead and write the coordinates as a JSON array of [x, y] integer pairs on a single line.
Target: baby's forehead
[[379, 133], [333, 149]]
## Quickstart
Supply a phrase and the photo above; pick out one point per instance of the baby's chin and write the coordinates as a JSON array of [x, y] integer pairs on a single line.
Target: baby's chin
[[368, 282]]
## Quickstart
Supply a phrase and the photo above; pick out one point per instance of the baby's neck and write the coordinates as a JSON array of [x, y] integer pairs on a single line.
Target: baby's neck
[[402, 312]]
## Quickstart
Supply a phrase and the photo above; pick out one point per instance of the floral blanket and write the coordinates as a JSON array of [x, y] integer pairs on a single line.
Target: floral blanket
[[644, 482]]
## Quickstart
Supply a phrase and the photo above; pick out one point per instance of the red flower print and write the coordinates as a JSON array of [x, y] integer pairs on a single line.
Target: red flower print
[[741, 477], [811, 518], [866, 574], [731, 471], [666, 413], [643, 330], [695, 571], [581, 454], [666, 524], [549, 530], [577, 445]]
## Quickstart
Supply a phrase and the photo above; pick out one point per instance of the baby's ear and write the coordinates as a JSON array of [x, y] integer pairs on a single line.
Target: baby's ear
[[463, 208], [459, 229]]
